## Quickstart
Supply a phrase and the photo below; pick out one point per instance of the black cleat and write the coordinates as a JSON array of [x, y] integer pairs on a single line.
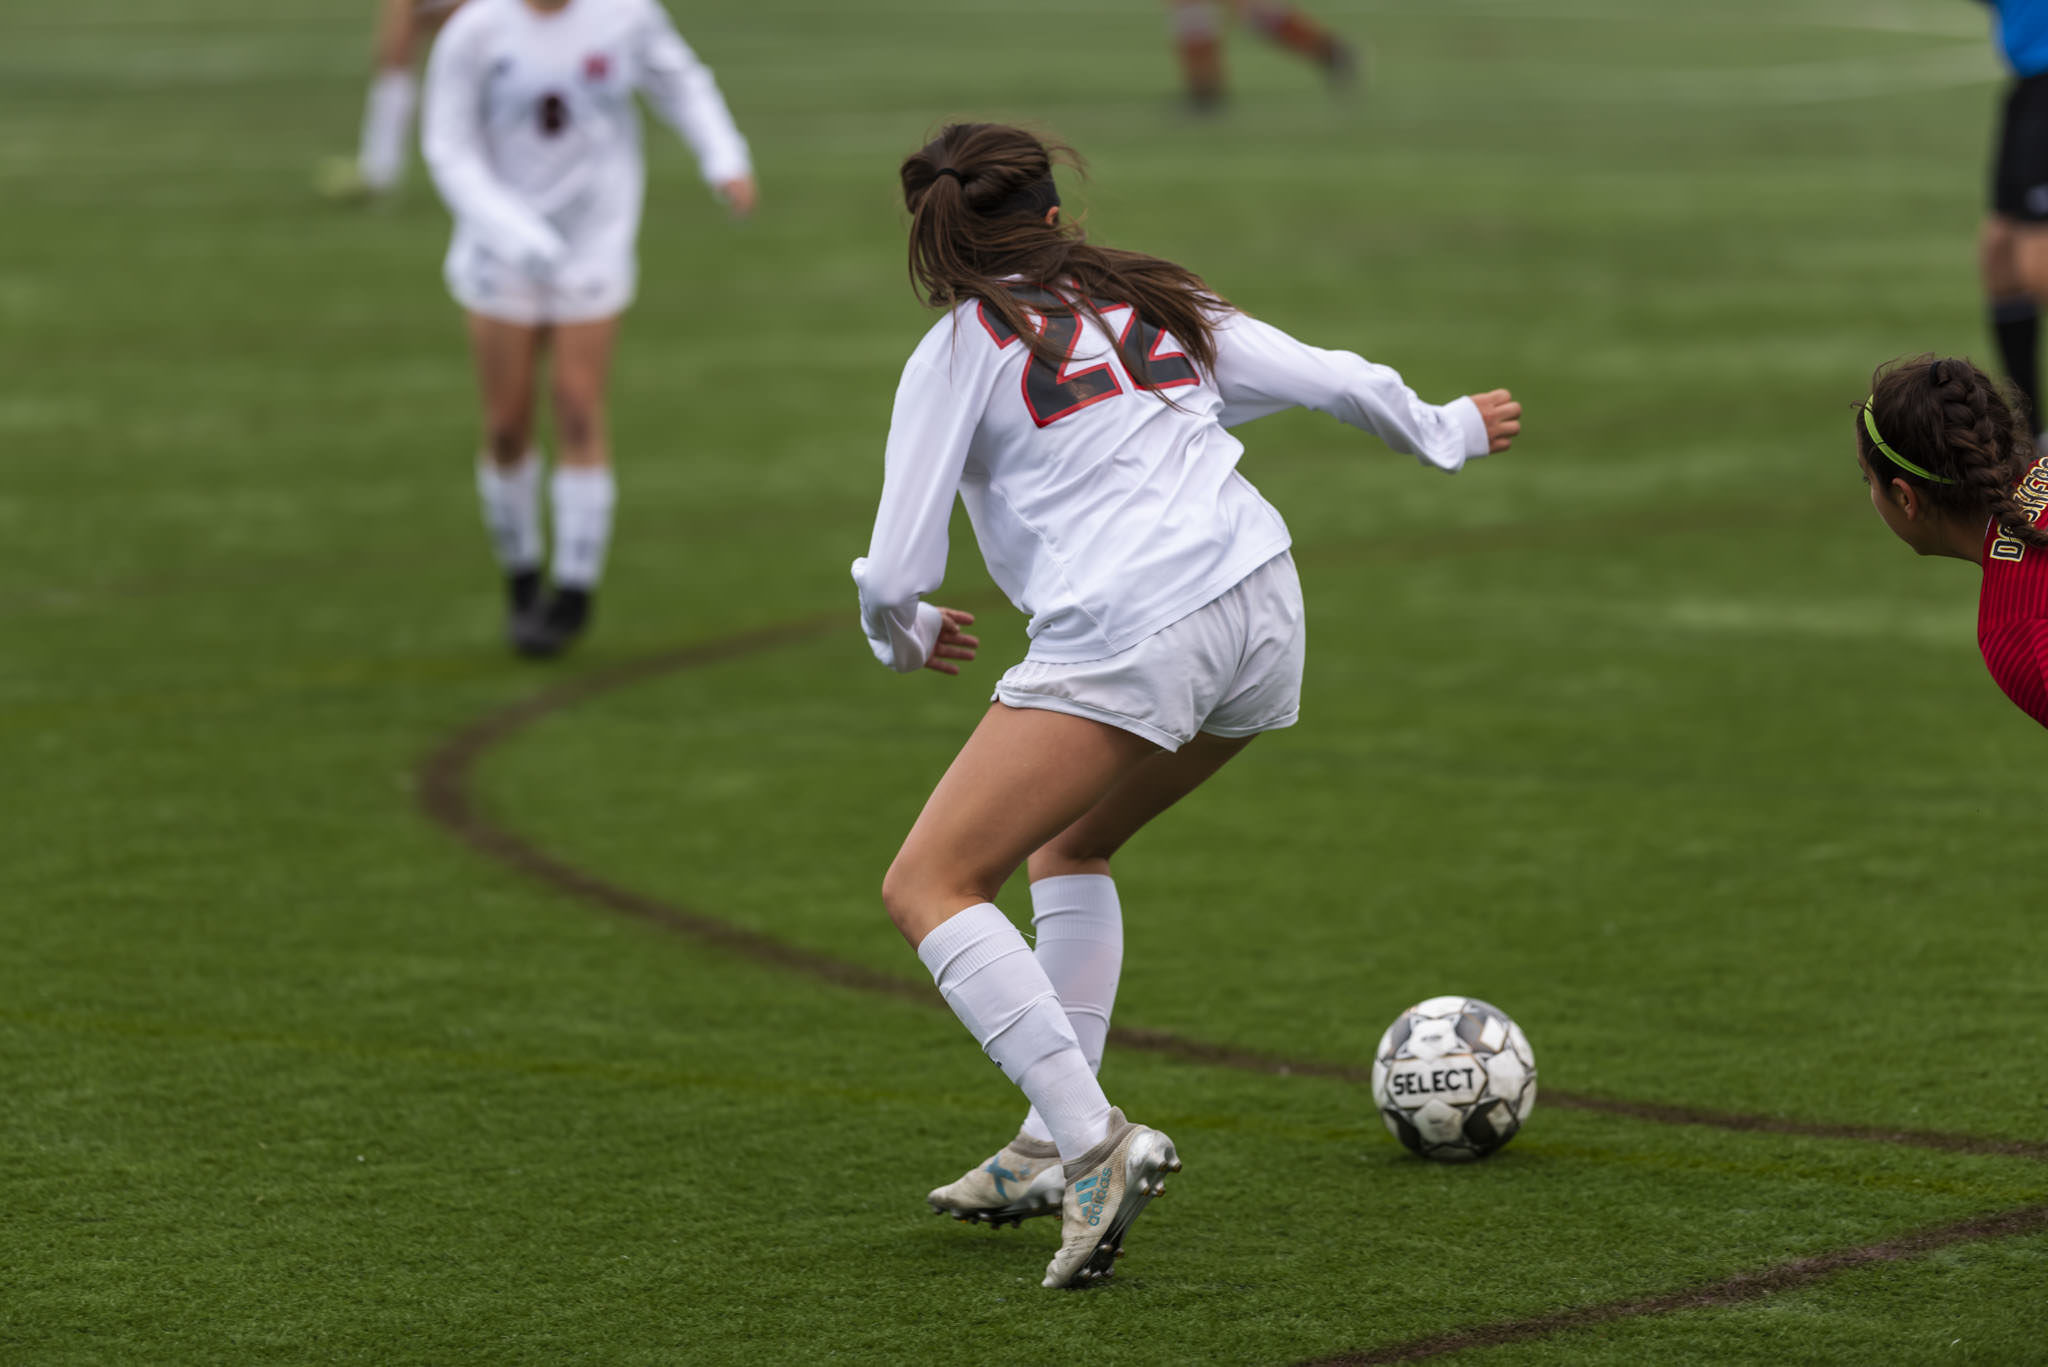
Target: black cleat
[[549, 629], [522, 591], [522, 600]]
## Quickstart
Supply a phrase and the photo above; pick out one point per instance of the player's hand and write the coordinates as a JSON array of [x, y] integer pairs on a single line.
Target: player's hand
[[1503, 418], [953, 643], [740, 195]]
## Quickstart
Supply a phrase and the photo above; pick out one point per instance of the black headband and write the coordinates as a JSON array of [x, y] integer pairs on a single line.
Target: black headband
[[1033, 199]]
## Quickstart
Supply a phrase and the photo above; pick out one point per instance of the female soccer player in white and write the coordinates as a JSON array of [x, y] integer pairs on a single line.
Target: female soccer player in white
[[1077, 399], [532, 138]]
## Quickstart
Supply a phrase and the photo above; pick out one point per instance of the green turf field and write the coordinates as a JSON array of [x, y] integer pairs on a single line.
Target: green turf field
[[1647, 732]]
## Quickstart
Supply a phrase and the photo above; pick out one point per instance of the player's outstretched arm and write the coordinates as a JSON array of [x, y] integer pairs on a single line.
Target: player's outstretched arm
[[685, 94], [928, 438], [1262, 370], [451, 143]]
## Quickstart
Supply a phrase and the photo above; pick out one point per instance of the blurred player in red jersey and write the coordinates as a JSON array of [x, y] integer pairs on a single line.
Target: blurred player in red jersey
[[1198, 35], [1952, 470], [403, 28]]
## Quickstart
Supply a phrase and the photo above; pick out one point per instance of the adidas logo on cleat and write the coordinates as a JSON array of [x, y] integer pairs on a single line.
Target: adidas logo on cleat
[[1097, 1188]]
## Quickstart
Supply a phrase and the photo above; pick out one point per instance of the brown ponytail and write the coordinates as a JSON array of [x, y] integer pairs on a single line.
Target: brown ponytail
[[977, 195], [1960, 425]]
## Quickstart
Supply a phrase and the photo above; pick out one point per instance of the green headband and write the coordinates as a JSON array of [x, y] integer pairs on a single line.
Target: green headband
[[1870, 426]]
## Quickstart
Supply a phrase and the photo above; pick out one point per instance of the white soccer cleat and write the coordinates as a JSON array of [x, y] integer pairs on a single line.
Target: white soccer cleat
[[1106, 1189], [1022, 1180]]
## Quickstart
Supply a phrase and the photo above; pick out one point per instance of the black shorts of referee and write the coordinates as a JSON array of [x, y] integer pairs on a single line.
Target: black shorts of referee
[[2019, 170]]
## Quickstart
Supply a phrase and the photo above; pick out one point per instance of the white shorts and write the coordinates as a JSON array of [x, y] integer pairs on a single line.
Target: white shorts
[[1231, 668], [589, 285]]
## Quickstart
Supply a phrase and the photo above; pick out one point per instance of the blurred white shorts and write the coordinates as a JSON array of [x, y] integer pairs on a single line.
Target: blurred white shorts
[[1231, 668], [586, 287]]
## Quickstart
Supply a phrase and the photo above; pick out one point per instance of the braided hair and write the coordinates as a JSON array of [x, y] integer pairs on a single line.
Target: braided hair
[[1961, 427]]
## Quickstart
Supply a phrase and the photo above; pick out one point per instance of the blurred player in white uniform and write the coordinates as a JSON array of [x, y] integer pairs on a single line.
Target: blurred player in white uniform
[[532, 137], [403, 26], [1077, 400]]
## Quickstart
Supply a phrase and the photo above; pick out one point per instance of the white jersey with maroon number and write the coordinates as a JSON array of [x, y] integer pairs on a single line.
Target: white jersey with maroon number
[[1104, 512], [531, 135]]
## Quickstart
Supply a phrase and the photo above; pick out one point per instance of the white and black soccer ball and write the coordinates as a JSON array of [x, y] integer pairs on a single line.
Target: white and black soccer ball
[[1454, 1078]]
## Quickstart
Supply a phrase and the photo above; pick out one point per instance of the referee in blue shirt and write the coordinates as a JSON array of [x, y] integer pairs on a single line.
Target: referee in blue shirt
[[2014, 248]]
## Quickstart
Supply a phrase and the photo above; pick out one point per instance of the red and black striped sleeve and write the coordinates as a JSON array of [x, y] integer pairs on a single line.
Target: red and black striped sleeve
[[2017, 653], [2012, 608]]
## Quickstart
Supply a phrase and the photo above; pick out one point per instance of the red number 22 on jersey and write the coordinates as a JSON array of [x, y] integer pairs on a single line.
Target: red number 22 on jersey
[[1052, 392]]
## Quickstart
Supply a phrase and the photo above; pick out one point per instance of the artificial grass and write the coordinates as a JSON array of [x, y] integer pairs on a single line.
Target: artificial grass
[[1646, 732]]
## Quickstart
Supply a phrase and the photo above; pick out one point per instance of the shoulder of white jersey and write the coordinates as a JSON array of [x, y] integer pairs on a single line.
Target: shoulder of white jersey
[[955, 347], [962, 336], [648, 11], [1224, 318], [472, 17]]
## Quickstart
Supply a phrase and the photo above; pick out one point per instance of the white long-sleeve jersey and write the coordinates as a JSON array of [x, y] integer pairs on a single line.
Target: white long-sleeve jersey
[[529, 128], [1104, 513]]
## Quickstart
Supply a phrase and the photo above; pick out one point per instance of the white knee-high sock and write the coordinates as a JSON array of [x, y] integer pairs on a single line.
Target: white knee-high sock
[[584, 498], [387, 127], [511, 503], [988, 976], [1080, 929]]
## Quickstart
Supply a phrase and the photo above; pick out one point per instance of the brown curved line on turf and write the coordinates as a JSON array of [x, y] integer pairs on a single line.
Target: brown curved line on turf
[[1736, 1290], [445, 796]]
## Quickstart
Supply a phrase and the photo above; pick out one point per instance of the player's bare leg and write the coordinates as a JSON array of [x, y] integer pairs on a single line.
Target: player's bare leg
[[1146, 790], [583, 490], [947, 864], [508, 473], [1198, 41], [1024, 776], [1288, 27], [2013, 262], [1078, 923]]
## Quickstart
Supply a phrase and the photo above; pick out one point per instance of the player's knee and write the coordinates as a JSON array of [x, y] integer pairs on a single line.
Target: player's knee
[[902, 893], [507, 443], [578, 418], [2029, 274], [917, 894]]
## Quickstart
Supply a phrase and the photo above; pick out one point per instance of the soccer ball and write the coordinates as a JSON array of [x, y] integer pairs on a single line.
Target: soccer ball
[[1454, 1078]]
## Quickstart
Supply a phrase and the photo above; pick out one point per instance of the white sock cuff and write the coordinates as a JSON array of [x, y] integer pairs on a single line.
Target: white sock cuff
[[988, 976], [393, 83], [525, 474], [1077, 906], [588, 485], [968, 941], [387, 126]]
